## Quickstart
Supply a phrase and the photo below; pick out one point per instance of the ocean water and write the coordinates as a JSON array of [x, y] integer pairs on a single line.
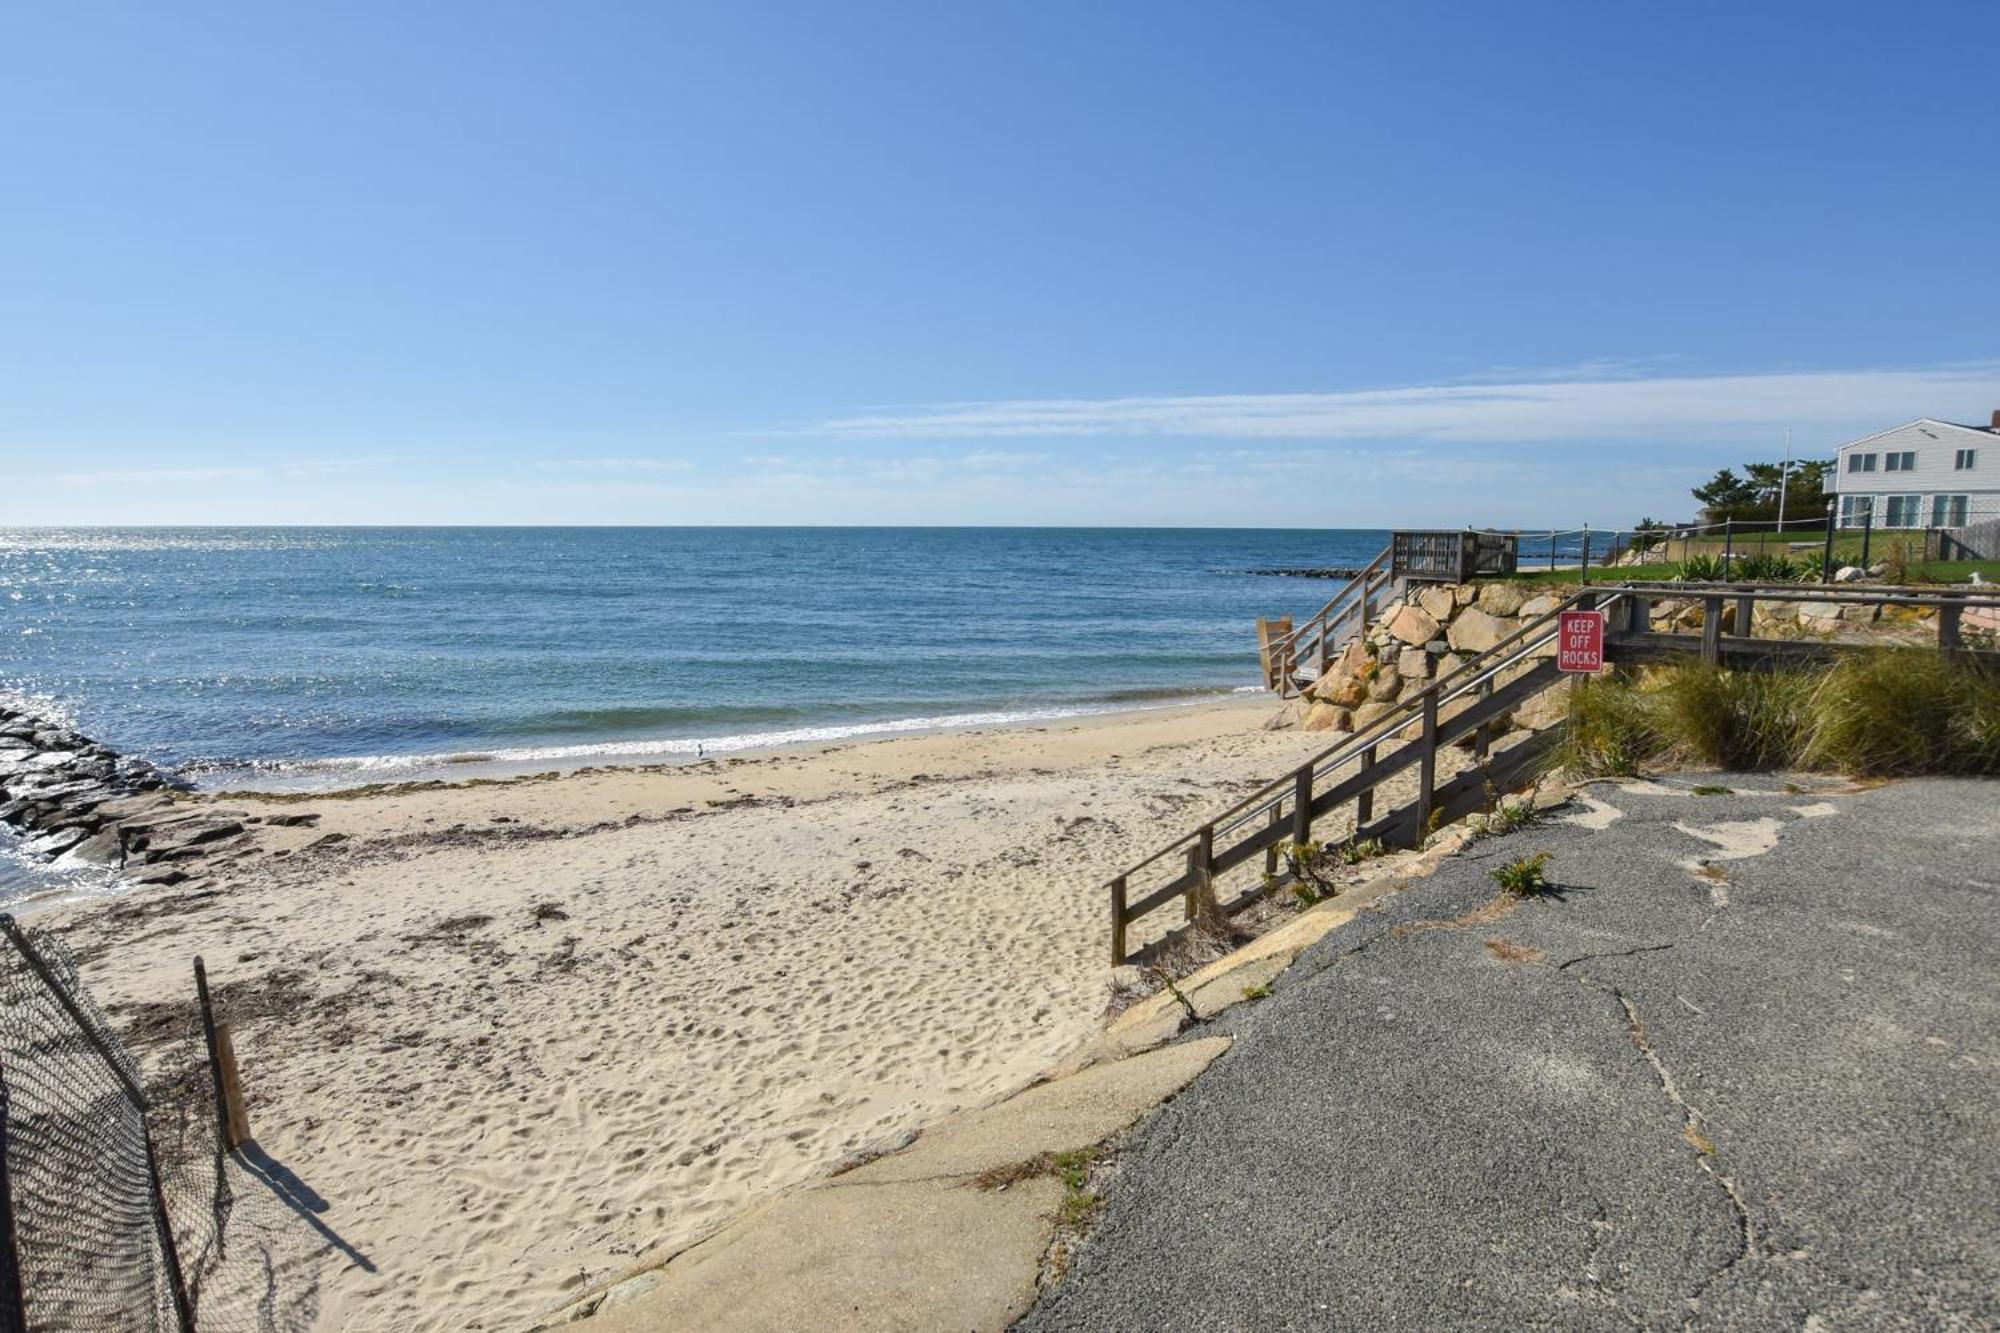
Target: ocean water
[[286, 657]]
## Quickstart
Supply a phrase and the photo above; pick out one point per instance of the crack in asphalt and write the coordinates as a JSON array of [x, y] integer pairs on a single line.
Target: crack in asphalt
[[1692, 1130]]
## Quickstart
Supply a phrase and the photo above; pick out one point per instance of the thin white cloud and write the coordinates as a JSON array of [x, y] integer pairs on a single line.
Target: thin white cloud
[[205, 476], [615, 465], [1669, 409]]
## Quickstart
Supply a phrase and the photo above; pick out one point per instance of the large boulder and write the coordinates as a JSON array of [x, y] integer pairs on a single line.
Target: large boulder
[[1437, 601], [1475, 630], [1328, 717], [1384, 685], [1502, 599], [1411, 624], [1368, 712], [1536, 607], [1339, 688], [1414, 663]]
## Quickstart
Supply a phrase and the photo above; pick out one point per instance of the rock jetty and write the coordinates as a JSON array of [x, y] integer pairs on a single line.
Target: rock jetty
[[69, 796]]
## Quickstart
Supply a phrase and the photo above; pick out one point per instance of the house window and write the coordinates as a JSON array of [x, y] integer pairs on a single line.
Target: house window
[[1948, 511], [1903, 462], [1905, 511], [1964, 460], [1861, 462], [1856, 510]]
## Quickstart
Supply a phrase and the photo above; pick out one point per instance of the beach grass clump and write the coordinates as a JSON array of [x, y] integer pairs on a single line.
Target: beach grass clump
[[1886, 712], [1611, 730], [1902, 711], [1734, 719]]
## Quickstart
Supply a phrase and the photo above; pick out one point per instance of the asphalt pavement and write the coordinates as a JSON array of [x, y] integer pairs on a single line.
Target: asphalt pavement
[[1741, 1070]]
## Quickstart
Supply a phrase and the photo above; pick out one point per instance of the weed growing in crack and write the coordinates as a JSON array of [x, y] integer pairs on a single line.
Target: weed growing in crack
[[1712, 789], [1161, 975], [1522, 877], [1257, 992]]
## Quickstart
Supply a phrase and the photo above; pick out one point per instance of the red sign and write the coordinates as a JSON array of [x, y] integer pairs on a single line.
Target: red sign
[[1580, 641]]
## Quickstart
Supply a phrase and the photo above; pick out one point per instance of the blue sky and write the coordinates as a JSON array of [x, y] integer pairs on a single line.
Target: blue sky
[[979, 263]]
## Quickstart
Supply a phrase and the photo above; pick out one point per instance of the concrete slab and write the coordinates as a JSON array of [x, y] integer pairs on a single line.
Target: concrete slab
[[1059, 1116], [913, 1256]]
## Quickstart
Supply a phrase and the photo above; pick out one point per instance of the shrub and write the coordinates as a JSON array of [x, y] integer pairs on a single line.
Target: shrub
[[1764, 567], [1700, 569]]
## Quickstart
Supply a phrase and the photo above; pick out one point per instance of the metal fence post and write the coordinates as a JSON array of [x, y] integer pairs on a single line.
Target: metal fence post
[[1826, 556], [222, 1143], [13, 1301], [1584, 564], [1728, 544], [1867, 534]]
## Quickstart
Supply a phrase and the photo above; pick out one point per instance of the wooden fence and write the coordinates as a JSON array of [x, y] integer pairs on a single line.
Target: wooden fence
[[1246, 841]]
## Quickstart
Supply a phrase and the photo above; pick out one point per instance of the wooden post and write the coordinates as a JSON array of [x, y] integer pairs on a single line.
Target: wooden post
[[1481, 742], [1364, 804], [1950, 639], [1118, 922], [235, 1119], [1638, 613], [1711, 630], [1302, 804], [1277, 817], [1427, 765], [1746, 616], [1201, 860]]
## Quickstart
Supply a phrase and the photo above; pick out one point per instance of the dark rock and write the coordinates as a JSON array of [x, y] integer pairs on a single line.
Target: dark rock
[[100, 848], [189, 834], [160, 875], [55, 844], [291, 821]]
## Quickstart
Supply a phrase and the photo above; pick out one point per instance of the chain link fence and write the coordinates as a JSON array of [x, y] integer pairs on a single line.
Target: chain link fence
[[122, 1206]]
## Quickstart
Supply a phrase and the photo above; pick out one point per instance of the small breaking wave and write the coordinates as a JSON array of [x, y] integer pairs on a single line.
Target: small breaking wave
[[388, 766]]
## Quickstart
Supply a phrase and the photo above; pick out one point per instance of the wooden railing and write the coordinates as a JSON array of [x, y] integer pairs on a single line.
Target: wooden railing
[[1302, 655], [1250, 835], [1453, 556]]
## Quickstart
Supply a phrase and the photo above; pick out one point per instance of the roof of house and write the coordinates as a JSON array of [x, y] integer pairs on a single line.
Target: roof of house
[[1922, 421]]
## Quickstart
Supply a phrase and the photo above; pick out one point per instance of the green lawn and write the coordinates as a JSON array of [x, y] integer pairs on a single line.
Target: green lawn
[[1935, 571]]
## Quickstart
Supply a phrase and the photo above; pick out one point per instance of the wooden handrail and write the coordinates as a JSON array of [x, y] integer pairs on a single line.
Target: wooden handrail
[[1211, 849]]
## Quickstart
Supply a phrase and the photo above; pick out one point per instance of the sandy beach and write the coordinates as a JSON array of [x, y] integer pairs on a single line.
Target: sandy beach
[[520, 1034]]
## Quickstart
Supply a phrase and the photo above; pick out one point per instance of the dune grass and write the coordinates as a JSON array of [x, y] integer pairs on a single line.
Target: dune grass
[[1883, 713]]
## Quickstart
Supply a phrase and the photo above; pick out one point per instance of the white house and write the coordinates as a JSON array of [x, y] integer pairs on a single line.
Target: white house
[[1928, 474]]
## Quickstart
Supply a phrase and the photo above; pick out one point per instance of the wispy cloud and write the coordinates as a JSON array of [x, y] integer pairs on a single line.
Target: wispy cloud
[[1670, 409], [204, 476], [614, 465]]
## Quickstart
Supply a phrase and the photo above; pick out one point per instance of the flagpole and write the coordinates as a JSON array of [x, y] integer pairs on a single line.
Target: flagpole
[[1784, 481]]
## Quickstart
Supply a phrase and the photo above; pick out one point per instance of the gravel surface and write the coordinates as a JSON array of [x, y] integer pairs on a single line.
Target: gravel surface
[[1742, 1080]]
